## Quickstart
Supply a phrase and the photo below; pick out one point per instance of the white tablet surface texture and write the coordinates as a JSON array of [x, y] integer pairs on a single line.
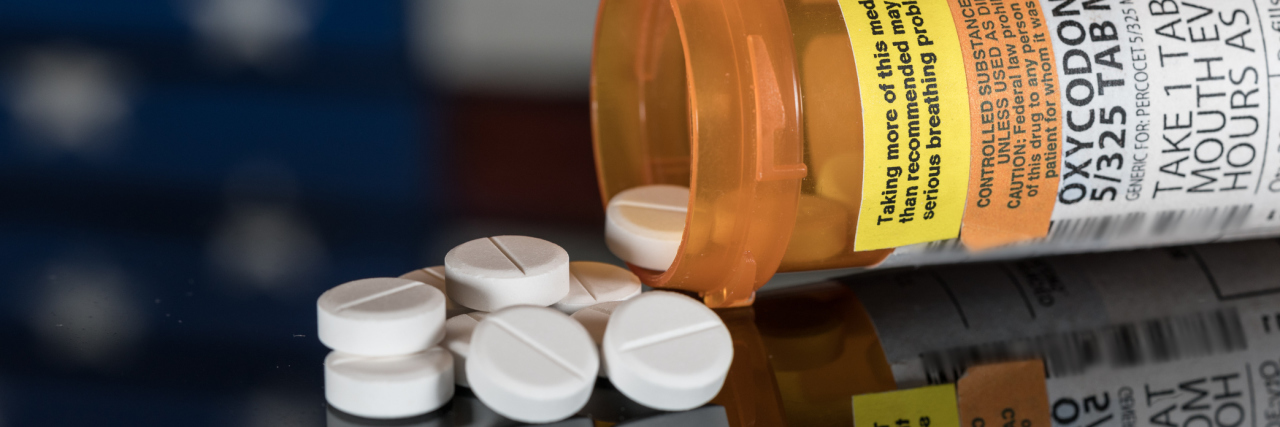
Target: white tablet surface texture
[[492, 273], [532, 364], [667, 351], [381, 317]]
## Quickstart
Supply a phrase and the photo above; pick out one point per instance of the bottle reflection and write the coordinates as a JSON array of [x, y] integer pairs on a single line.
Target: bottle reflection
[[750, 394], [823, 349]]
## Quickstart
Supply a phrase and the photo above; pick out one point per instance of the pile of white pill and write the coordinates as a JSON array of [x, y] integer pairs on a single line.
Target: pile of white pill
[[528, 331]]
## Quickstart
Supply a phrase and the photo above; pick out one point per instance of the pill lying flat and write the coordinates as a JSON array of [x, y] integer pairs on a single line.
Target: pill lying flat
[[390, 386], [492, 273], [667, 351], [532, 364], [336, 418], [644, 225], [381, 317], [434, 276], [595, 319], [457, 338], [596, 282]]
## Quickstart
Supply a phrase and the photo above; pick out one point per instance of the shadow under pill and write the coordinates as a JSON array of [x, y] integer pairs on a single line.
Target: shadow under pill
[[337, 418], [706, 416], [610, 405], [468, 411]]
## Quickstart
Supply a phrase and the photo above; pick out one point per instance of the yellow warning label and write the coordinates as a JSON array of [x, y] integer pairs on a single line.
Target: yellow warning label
[[933, 406], [915, 115]]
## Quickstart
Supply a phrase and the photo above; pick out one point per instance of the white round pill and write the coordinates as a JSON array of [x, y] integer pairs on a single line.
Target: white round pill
[[492, 273], [381, 317], [434, 276], [457, 338], [532, 364], [644, 225], [667, 351], [596, 282], [595, 319], [390, 386]]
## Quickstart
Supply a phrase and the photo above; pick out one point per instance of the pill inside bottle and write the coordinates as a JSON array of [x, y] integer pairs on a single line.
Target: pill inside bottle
[[644, 225]]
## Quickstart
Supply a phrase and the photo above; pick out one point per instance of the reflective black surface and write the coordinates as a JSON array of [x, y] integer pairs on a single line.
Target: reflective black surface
[[607, 405]]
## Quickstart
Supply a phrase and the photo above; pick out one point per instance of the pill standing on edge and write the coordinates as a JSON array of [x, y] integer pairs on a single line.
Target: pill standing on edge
[[434, 276], [644, 225], [381, 317], [492, 273], [457, 338], [667, 351], [595, 319], [390, 386], [596, 282], [532, 364]]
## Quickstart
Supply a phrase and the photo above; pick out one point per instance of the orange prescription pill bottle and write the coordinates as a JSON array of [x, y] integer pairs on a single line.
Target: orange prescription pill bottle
[[822, 134]]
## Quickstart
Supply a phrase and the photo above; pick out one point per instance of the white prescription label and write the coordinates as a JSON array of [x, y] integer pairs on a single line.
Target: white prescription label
[[1167, 106], [1166, 114]]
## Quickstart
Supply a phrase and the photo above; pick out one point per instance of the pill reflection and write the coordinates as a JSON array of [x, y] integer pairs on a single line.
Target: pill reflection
[[468, 411], [706, 416], [337, 418], [824, 350], [750, 393], [610, 405]]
